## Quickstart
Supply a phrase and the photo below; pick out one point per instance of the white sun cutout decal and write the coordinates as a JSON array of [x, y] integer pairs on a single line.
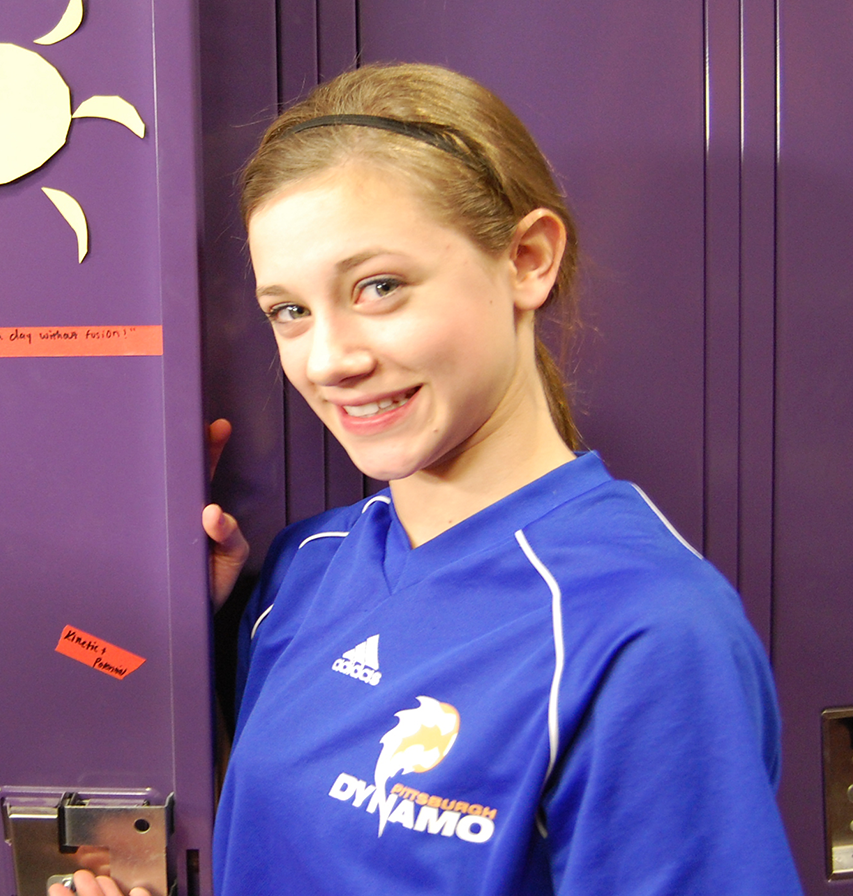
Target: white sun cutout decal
[[35, 112]]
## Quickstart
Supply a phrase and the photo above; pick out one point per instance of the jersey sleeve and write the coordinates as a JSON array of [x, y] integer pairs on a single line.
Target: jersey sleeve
[[272, 584], [667, 786], [276, 564]]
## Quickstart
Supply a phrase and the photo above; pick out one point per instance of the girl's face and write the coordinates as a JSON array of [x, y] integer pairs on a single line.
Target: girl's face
[[403, 336]]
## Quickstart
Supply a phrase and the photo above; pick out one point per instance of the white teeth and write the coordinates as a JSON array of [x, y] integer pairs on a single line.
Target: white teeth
[[374, 407], [362, 410]]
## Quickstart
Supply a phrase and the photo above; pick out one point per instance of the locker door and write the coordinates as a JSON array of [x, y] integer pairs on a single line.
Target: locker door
[[317, 40], [614, 94], [104, 637], [813, 559]]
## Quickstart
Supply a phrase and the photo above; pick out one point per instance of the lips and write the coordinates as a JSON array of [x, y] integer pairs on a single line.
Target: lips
[[372, 408]]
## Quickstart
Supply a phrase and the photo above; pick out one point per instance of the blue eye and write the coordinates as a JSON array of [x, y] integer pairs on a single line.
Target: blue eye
[[286, 312], [382, 287]]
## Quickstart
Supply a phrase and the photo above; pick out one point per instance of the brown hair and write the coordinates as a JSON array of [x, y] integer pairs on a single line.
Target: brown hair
[[494, 175]]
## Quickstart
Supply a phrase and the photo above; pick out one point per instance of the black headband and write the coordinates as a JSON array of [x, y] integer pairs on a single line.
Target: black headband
[[440, 136]]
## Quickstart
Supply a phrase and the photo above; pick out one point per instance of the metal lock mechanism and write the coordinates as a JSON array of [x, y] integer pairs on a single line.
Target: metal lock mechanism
[[837, 738], [119, 833]]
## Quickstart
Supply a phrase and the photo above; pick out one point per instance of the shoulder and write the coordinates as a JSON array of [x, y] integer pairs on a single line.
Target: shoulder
[[328, 527], [628, 574], [644, 620], [324, 534], [298, 556], [614, 543]]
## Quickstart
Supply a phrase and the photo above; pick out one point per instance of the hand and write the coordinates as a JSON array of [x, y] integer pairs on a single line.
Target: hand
[[230, 548], [87, 884]]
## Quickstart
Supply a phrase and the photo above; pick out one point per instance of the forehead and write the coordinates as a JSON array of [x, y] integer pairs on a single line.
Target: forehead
[[340, 211], [348, 184]]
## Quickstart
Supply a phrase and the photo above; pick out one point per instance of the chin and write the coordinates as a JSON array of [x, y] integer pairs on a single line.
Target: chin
[[384, 472], [391, 464], [387, 468]]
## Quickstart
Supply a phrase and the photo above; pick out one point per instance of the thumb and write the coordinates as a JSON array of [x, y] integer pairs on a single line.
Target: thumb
[[230, 551], [222, 528]]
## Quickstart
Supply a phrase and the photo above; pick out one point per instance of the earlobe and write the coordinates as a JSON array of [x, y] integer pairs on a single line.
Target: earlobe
[[535, 253]]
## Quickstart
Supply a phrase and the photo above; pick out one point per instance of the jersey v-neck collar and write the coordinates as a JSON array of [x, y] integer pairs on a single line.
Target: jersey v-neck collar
[[405, 566]]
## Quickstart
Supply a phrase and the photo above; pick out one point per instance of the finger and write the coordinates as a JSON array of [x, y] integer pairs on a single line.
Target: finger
[[85, 884], [94, 859], [108, 886], [218, 434]]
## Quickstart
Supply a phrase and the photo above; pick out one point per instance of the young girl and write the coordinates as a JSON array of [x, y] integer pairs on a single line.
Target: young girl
[[507, 673]]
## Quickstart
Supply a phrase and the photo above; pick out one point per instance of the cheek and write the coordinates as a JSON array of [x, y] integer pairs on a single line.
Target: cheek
[[445, 330]]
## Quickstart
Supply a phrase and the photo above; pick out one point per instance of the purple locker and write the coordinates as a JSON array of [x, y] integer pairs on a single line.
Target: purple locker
[[243, 380], [317, 40], [102, 447], [813, 486]]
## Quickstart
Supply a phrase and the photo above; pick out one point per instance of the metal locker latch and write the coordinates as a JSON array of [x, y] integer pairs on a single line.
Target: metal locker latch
[[837, 725], [53, 834]]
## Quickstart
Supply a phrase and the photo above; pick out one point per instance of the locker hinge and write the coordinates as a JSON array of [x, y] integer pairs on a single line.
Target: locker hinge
[[120, 833]]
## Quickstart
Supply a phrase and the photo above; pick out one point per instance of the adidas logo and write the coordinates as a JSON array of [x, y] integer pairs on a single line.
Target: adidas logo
[[362, 662]]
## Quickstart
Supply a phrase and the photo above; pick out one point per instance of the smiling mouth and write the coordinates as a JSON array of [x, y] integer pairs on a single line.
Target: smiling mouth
[[371, 409]]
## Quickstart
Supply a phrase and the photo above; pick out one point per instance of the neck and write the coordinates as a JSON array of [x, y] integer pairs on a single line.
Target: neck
[[482, 472]]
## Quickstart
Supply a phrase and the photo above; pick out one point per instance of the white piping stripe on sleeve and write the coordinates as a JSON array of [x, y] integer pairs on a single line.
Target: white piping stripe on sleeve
[[383, 498], [259, 620], [322, 535], [559, 649], [666, 522], [266, 612]]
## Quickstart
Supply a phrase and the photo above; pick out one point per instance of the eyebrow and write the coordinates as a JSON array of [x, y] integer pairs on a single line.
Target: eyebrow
[[274, 291], [342, 267], [347, 264]]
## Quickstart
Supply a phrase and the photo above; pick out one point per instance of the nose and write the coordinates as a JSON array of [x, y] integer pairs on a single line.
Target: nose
[[338, 351]]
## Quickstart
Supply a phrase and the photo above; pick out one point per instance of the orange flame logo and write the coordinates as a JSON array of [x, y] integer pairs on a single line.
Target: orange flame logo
[[418, 742]]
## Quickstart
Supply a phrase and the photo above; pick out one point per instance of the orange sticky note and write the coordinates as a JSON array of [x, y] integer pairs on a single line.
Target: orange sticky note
[[97, 653], [81, 342]]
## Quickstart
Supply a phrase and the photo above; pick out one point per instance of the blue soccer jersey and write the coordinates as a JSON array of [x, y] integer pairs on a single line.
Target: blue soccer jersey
[[557, 695]]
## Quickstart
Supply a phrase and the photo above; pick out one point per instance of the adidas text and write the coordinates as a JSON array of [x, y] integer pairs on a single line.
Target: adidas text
[[357, 670]]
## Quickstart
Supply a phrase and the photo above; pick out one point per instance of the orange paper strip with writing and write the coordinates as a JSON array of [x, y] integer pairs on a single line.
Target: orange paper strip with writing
[[67, 342], [97, 653]]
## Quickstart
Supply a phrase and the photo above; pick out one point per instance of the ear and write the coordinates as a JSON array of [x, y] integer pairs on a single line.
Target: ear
[[535, 255]]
